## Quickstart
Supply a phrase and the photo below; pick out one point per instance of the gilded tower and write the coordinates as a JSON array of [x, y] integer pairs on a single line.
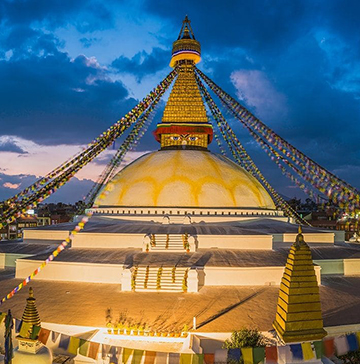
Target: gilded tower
[[184, 123]]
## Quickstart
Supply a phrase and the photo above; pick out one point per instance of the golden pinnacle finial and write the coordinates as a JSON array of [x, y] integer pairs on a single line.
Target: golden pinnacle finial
[[186, 47], [31, 292], [299, 237]]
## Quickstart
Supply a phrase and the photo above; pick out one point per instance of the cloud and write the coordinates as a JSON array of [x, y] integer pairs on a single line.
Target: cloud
[[143, 64], [10, 145], [86, 15], [40, 95], [258, 92], [12, 186]]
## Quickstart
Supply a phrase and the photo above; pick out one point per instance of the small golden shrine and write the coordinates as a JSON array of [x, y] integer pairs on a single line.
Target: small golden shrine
[[298, 316]]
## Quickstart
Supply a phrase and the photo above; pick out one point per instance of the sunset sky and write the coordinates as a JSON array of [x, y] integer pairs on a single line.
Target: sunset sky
[[69, 69]]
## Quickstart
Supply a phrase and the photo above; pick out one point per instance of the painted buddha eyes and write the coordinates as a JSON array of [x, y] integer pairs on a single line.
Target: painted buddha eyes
[[184, 137]]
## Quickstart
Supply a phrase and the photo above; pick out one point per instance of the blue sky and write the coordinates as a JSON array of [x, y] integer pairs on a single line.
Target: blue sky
[[69, 69]]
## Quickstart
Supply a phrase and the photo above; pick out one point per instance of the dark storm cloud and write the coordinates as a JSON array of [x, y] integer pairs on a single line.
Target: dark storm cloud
[[142, 63], [85, 15], [53, 99]]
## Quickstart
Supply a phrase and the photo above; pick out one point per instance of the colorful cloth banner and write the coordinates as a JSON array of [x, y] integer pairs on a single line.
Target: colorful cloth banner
[[271, 354], [44, 336], [247, 354], [259, 354], [185, 358], [209, 358], [307, 350], [318, 346], [84, 347], [137, 356], [74, 344], [161, 358], [150, 357], [233, 354], [329, 347], [93, 350], [352, 342], [126, 354], [174, 358], [341, 345]]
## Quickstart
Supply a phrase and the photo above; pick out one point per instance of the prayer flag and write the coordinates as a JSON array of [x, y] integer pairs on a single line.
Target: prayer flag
[[64, 341], [329, 347], [174, 358], [271, 354], [220, 355], [93, 350], [247, 354], [84, 347], [284, 353], [149, 357], [35, 332], [25, 329], [137, 356], [54, 336], [259, 355], [17, 325], [307, 350], [126, 354], [114, 355], [185, 358], [296, 351], [105, 349], [74, 344], [352, 342], [2, 317], [161, 358], [198, 359], [341, 345], [44, 335], [209, 358], [233, 355], [318, 345]]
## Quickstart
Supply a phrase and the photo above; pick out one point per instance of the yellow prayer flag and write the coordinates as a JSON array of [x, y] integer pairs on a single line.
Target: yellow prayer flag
[[25, 329], [73, 345], [357, 336], [308, 353], [2, 317], [247, 354]]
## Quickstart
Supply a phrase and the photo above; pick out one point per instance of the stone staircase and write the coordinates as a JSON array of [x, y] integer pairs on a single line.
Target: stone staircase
[[164, 279], [169, 242]]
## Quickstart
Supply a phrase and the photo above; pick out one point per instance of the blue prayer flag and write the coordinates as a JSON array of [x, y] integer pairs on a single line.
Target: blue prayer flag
[[233, 355], [296, 350], [352, 341], [64, 341]]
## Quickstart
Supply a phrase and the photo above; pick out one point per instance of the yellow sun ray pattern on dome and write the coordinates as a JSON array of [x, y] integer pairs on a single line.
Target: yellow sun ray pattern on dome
[[200, 179]]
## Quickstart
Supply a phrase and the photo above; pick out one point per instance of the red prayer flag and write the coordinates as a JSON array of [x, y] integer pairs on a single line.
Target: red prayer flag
[[44, 335], [93, 351], [209, 358], [150, 357], [329, 347], [271, 354]]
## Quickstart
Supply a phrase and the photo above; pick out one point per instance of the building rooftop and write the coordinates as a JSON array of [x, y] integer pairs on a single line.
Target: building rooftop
[[217, 309]]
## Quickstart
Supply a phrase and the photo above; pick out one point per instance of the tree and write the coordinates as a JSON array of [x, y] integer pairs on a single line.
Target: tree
[[243, 338]]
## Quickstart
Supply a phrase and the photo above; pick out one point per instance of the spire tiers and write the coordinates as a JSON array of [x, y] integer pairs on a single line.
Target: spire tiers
[[298, 316], [31, 315], [184, 123]]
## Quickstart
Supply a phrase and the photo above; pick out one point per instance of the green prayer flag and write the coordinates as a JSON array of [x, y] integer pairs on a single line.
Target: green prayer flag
[[198, 359], [318, 345], [35, 332], [138, 354], [84, 347], [126, 354], [259, 355]]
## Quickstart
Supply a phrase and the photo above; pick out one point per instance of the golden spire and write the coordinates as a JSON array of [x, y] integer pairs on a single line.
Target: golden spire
[[184, 122], [298, 316], [31, 315], [186, 47]]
